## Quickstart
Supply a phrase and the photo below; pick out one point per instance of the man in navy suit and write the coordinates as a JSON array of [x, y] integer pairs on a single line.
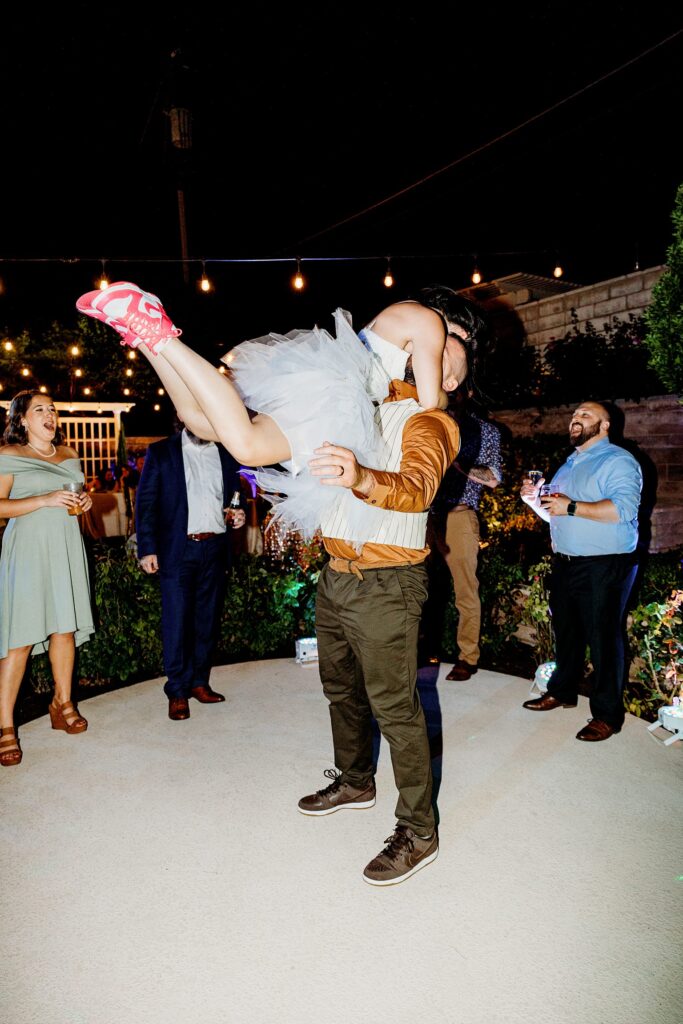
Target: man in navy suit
[[180, 518]]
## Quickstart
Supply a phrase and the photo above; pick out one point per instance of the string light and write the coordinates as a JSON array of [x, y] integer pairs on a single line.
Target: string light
[[161, 391], [8, 346], [204, 282], [78, 373], [129, 372], [104, 281], [388, 277], [132, 354], [75, 350], [25, 372], [157, 407], [126, 391], [87, 391], [298, 281], [42, 389]]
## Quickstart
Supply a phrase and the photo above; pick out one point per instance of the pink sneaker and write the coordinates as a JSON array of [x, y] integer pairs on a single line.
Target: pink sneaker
[[138, 316]]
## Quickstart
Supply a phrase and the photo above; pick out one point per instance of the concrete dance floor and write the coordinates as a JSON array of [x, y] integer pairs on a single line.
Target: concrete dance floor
[[158, 872]]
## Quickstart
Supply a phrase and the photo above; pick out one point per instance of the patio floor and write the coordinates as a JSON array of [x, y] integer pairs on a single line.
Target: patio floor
[[157, 872]]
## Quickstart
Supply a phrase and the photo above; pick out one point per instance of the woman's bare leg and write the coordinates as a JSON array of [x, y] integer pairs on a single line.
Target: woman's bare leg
[[206, 398], [12, 670], [62, 654]]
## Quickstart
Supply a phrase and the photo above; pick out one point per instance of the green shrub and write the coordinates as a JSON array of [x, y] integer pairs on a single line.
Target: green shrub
[[664, 315], [270, 604]]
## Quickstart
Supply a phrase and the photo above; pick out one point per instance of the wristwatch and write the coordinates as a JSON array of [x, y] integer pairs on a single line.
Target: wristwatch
[[571, 508]]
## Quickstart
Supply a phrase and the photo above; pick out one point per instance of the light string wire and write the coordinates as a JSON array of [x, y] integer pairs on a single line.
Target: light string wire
[[379, 203], [491, 142]]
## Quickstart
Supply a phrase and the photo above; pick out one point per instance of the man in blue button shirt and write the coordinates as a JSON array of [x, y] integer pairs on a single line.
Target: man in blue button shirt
[[592, 509]]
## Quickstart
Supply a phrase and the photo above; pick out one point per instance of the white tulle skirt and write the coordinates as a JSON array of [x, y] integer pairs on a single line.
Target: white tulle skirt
[[317, 388]]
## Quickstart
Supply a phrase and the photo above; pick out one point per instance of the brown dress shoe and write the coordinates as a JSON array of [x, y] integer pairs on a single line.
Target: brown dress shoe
[[548, 703], [597, 730], [205, 695], [178, 708], [461, 671]]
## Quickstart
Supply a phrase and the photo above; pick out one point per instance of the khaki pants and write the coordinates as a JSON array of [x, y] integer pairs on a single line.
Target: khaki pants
[[462, 554], [367, 632]]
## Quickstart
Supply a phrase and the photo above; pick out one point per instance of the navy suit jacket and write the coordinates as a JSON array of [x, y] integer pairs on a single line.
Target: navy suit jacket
[[161, 510]]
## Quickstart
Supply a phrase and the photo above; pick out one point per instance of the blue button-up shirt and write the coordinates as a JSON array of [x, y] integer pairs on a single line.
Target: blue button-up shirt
[[602, 471]]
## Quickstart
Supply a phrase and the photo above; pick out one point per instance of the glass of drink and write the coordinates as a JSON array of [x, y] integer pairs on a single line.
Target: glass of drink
[[74, 488], [545, 491], [534, 475]]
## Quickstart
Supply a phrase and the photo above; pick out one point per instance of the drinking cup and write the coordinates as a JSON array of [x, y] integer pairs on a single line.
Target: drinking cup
[[74, 488]]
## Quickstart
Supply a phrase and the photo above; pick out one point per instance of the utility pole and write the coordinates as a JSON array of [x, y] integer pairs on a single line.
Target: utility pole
[[180, 121], [181, 137]]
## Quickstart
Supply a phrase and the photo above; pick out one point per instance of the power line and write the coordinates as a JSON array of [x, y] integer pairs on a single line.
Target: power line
[[490, 143]]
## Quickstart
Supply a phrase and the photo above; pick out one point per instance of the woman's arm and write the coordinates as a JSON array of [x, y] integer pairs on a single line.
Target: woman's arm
[[10, 508], [422, 332]]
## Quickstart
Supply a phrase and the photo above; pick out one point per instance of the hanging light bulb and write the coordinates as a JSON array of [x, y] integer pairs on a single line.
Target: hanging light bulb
[[557, 269], [298, 281], [204, 282], [104, 281], [388, 276], [476, 273]]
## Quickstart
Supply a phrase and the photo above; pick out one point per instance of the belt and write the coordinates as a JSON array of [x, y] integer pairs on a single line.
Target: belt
[[347, 565], [202, 536], [587, 558]]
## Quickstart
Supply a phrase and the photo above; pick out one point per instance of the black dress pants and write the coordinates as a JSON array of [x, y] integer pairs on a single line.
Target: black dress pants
[[588, 598]]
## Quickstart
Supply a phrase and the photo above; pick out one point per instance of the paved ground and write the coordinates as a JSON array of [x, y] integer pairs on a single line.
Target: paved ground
[[158, 872]]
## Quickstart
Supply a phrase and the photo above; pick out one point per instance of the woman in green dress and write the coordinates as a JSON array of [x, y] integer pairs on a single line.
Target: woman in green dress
[[44, 582]]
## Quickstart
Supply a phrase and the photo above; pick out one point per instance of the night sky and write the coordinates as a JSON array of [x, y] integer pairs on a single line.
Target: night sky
[[303, 119]]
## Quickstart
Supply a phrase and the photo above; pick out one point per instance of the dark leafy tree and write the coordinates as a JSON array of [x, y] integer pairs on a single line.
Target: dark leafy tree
[[664, 315]]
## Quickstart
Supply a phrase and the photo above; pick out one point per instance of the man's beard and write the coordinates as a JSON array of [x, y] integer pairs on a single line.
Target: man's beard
[[583, 435]]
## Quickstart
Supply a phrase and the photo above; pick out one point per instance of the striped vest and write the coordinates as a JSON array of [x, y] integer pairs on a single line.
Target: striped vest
[[399, 529]]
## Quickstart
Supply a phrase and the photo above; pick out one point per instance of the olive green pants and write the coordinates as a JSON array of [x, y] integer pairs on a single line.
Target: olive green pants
[[367, 631]]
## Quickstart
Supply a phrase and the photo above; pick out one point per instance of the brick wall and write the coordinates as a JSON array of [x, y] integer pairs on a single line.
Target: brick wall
[[550, 318]]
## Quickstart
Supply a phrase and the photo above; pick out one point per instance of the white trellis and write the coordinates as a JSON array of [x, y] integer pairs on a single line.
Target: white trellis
[[93, 429]]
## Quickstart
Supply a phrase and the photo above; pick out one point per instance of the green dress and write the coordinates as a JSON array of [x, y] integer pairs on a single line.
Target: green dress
[[44, 580]]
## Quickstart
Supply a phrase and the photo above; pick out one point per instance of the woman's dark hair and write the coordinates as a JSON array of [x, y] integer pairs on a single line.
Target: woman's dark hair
[[15, 431], [456, 309]]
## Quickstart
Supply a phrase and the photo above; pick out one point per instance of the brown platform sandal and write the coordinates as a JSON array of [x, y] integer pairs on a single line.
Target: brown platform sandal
[[13, 755], [59, 713]]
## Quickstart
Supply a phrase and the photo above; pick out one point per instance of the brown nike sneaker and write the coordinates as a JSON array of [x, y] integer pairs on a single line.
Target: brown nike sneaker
[[337, 796], [404, 854]]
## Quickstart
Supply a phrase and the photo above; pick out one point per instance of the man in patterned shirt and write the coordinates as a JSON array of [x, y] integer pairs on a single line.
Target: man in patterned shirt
[[456, 523]]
